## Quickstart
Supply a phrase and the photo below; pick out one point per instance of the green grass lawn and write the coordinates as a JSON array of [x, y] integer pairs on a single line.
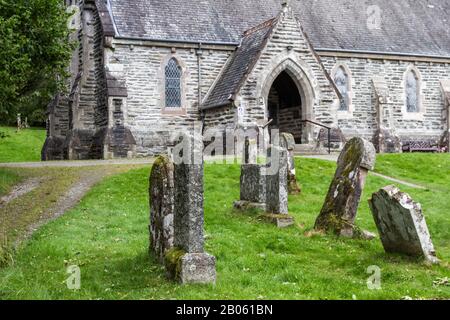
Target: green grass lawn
[[432, 171], [107, 237], [22, 146]]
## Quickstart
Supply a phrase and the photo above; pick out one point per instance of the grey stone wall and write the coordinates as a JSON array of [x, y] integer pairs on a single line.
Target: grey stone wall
[[79, 122], [75, 119], [362, 121], [151, 125], [288, 49]]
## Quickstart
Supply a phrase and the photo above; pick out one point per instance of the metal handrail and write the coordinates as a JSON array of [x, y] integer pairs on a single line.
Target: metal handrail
[[323, 126], [267, 124]]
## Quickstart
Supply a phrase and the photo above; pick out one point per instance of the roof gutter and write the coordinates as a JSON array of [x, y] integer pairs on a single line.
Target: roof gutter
[[382, 53], [234, 44], [216, 106]]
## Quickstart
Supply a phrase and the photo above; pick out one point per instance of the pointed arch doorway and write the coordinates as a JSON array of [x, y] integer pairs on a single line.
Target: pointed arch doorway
[[285, 107], [289, 99]]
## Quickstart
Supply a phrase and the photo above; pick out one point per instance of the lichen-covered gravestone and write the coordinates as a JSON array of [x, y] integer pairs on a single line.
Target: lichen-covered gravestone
[[187, 262], [277, 188], [253, 188], [253, 182], [287, 141], [341, 204], [161, 207], [401, 224]]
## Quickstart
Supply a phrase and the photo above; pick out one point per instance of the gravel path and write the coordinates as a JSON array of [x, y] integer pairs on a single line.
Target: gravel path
[[91, 172], [20, 190], [68, 201]]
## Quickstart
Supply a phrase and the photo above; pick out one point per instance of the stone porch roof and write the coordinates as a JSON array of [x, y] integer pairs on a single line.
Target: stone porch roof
[[410, 27], [239, 66]]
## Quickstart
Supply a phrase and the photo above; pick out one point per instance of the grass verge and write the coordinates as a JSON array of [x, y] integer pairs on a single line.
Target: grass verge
[[106, 235], [22, 146]]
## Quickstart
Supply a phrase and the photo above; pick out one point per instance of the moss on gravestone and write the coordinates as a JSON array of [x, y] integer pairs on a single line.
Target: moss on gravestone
[[173, 262]]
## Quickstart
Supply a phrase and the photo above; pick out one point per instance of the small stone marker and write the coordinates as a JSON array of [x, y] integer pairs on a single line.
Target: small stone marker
[[401, 224], [277, 188], [187, 261], [287, 141], [161, 207], [19, 122], [341, 204]]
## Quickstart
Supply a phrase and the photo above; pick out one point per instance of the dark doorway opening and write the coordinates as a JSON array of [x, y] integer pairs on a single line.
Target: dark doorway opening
[[285, 106]]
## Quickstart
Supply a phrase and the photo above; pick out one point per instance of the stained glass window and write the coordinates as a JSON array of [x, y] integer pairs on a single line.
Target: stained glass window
[[342, 83], [412, 92], [173, 84]]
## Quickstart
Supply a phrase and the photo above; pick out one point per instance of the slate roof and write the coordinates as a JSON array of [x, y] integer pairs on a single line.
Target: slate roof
[[240, 64], [414, 27], [105, 18]]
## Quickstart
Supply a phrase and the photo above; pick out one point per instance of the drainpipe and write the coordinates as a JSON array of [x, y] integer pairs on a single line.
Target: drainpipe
[[199, 61]]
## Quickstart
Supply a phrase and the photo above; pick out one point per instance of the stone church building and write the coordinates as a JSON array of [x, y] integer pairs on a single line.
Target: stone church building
[[144, 69]]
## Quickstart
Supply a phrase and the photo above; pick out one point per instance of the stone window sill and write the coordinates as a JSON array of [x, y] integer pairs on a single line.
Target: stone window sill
[[419, 116], [174, 111]]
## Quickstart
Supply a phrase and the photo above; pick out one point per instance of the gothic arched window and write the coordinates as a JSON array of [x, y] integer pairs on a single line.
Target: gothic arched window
[[341, 79], [412, 91], [173, 75]]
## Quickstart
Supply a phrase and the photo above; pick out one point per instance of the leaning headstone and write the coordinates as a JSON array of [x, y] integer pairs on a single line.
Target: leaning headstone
[[287, 141], [401, 224], [277, 188], [341, 204], [187, 262], [161, 207]]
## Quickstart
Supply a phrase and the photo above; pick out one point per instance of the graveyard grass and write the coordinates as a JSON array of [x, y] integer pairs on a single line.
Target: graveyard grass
[[22, 146], [106, 235]]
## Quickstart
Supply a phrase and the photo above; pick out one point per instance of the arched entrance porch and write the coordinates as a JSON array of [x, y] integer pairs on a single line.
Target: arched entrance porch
[[284, 105], [289, 100]]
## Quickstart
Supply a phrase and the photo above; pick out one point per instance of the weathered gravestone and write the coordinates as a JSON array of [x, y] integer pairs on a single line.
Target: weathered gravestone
[[401, 224], [253, 188], [277, 188], [253, 182], [341, 204], [187, 262], [287, 141], [161, 207]]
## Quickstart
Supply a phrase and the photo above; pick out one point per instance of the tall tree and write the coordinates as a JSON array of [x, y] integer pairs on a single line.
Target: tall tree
[[34, 54]]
